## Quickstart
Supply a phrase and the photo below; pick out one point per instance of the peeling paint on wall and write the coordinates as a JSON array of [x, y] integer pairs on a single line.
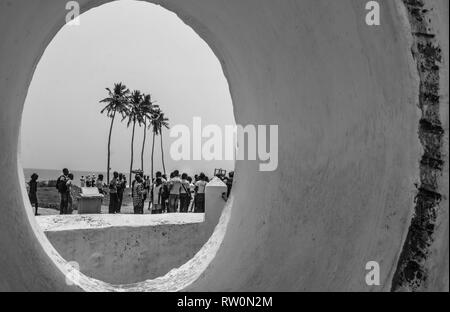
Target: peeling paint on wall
[[411, 272]]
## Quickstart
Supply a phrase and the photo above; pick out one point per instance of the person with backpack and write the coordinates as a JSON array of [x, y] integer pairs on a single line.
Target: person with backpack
[[61, 186], [185, 194]]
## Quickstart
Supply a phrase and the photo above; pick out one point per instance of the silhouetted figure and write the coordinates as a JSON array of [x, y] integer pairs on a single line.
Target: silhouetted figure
[[174, 189], [61, 185], [100, 184], [200, 187], [113, 196], [69, 193], [185, 193], [156, 198], [32, 195], [121, 187], [229, 182], [138, 195]]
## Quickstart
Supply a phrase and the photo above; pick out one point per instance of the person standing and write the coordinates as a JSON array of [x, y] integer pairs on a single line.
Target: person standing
[[113, 196], [94, 180], [156, 198], [200, 187], [32, 195], [192, 190], [185, 194], [164, 191], [121, 186], [69, 193], [138, 195], [148, 186], [99, 184], [61, 185], [132, 185], [82, 182], [229, 182], [174, 192]]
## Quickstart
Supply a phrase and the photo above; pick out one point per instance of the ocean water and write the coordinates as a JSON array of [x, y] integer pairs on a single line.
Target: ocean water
[[53, 174]]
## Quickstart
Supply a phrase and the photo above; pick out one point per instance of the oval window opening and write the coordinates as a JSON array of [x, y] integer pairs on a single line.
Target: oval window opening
[[131, 88]]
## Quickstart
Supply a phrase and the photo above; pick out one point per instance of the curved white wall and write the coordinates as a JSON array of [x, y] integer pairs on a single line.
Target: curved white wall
[[127, 249], [345, 97]]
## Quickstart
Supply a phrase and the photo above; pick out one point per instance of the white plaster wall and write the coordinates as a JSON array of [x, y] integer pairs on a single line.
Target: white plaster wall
[[126, 254], [344, 96], [126, 249], [214, 199]]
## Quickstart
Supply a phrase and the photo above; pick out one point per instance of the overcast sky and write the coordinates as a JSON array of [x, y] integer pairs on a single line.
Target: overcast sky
[[140, 44]]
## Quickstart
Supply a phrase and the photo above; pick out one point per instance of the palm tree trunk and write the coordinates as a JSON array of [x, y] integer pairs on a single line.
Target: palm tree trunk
[[108, 166], [132, 150], [143, 146], [153, 151], [162, 154]]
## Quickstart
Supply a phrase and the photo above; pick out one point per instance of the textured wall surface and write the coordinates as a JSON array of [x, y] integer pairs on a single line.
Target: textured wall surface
[[345, 97], [128, 254], [126, 249]]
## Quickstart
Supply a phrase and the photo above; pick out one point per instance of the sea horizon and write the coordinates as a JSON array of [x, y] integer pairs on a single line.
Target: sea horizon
[[53, 174]]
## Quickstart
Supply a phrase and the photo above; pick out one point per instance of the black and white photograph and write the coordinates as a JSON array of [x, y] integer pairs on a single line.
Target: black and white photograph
[[224, 151]]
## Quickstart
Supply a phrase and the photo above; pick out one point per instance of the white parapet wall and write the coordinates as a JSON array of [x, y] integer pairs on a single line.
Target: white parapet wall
[[214, 198], [126, 249]]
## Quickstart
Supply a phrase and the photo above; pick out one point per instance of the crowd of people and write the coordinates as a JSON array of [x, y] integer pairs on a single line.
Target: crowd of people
[[178, 193], [91, 180]]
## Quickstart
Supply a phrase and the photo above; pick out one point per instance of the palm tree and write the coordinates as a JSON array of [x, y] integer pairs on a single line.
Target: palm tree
[[157, 123], [116, 103], [134, 115], [163, 122], [148, 109]]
